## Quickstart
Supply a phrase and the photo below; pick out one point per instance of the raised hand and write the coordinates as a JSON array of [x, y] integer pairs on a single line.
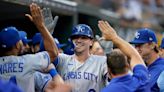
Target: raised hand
[[48, 19], [36, 15], [108, 33]]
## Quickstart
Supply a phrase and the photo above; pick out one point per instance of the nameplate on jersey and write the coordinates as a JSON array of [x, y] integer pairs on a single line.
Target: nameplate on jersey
[[11, 67]]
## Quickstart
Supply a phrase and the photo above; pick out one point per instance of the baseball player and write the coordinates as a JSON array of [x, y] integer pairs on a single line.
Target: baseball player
[[21, 69], [118, 65], [86, 72], [145, 42]]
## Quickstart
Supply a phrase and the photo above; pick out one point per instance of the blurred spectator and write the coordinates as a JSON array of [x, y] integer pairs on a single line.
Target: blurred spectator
[[148, 9], [160, 12], [131, 9], [112, 5], [96, 3]]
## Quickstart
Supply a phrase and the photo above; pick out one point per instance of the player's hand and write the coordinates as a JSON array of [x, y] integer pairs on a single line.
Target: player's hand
[[36, 15], [48, 19], [108, 33]]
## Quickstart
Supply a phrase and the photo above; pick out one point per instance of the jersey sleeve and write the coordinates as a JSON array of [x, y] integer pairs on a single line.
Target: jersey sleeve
[[41, 81], [38, 61], [61, 62], [141, 73], [160, 82]]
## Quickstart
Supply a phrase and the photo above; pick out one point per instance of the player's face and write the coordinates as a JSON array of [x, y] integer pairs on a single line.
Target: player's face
[[144, 50], [82, 43]]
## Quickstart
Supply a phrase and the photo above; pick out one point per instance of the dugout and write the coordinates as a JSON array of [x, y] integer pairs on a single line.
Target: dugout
[[70, 13]]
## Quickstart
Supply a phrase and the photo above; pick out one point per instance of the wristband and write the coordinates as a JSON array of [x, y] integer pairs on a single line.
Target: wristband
[[53, 72]]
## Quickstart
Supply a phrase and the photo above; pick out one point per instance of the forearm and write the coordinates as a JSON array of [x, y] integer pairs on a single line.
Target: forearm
[[48, 41], [128, 50], [37, 18], [110, 34]]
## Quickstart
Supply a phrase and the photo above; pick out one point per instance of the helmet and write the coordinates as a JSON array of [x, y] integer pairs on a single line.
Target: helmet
[[82, 30]]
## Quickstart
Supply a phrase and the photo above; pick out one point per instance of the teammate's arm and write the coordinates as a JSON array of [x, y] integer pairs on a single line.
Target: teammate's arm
[[56, 84], [37, 18], [110, 34]]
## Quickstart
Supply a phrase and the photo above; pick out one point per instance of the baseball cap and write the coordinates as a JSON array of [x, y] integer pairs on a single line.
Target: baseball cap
[[36, 38], [58, 43], [70, 48], [162, 43], [9, 36], [23, 36], [144, 35]]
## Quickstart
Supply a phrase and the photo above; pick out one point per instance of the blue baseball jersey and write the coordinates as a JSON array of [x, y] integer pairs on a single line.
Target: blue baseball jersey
[[8, 87], [160, 82], [89, 76], [41, 81], [130, 83], [21, 69], [155, 70]]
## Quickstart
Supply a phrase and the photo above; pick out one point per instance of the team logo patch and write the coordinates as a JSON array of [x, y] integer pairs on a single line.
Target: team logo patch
[[150, 39], [137, 35], [80, 29]]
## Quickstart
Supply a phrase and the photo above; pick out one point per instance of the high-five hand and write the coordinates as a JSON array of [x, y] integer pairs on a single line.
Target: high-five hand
[[36, 15], [108, 33]]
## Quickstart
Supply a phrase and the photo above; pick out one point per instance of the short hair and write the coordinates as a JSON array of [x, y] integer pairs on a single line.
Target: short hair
[[117, 62]]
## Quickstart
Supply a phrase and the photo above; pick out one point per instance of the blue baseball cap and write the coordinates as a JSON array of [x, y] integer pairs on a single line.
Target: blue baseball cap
[[36, 38], [58, 43], [70, 48], [144, 35], [9, 37], [162, 43], [23, 36]]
